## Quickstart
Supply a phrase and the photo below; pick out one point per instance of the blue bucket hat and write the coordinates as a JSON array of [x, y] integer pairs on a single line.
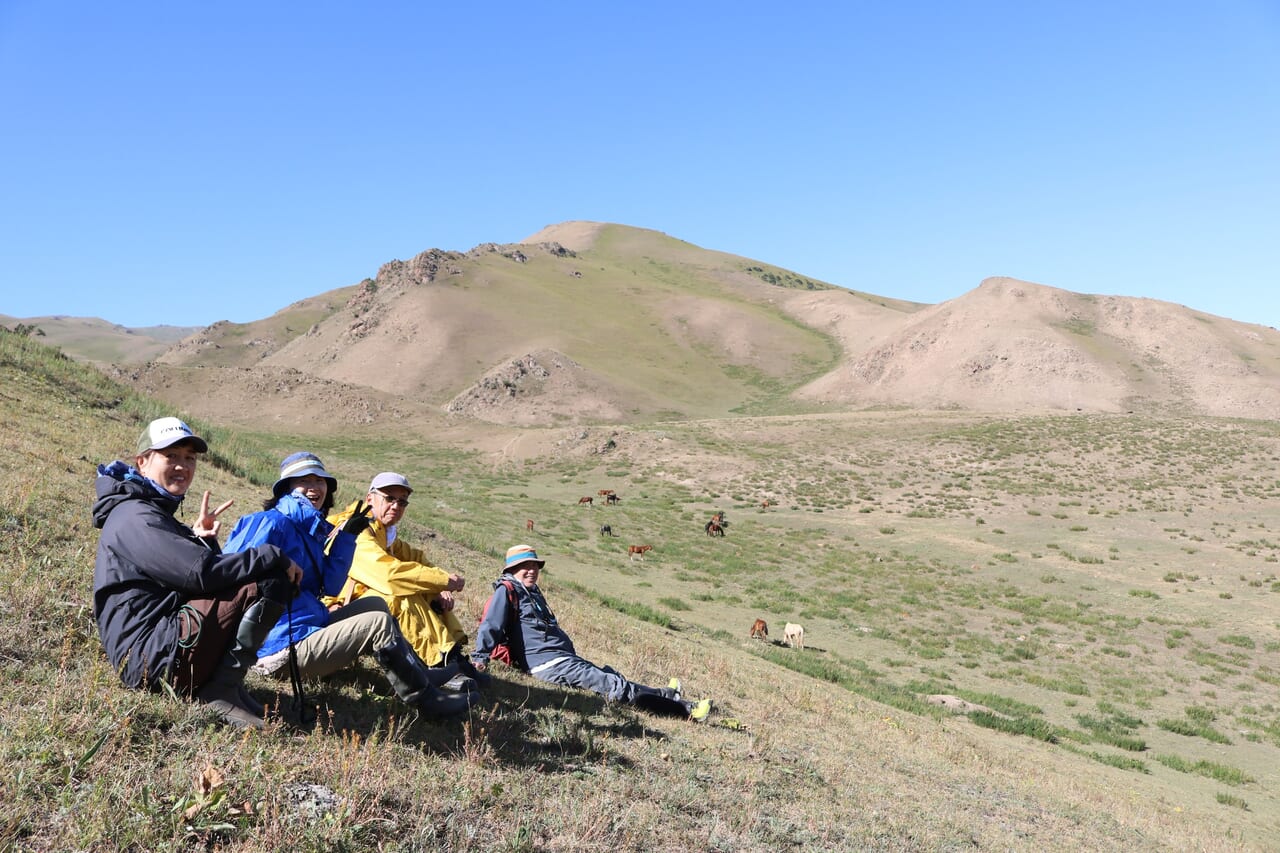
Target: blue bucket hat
[[300, 465]]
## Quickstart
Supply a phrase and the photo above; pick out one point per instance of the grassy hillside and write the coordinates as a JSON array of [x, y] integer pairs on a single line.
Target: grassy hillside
[[656, 316], [227, 344], [658, 327], [1104, 587]]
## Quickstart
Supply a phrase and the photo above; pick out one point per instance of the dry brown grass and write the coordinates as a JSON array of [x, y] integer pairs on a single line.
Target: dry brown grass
[[813, 764]]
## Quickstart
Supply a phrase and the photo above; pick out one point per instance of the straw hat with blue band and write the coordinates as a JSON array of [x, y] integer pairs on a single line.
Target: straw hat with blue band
[[521, 554]]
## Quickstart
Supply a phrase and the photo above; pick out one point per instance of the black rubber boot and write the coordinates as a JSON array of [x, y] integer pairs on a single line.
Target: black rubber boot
[[414, 682], [224, 692]]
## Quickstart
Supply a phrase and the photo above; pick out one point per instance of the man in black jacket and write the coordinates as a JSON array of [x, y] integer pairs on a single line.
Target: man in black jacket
[[171, 607]]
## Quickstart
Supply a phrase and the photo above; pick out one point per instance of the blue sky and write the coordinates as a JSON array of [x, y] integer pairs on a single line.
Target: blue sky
[[185, 163]]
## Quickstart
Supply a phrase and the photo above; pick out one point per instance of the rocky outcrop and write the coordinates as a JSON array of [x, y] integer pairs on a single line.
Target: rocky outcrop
[[419, 270], [539, 388]]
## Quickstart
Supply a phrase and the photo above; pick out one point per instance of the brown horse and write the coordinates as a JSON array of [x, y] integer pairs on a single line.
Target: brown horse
[[714, 528], [638, 550], [760, 630], [587, 500], [528, 525], [604, 493]]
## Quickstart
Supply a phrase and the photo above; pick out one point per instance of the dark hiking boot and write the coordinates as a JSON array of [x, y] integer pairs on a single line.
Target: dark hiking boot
[[255, 707], [460, 684], [221, 694], [441, 675], [225, 693], [433, 702], [659, 700], [467, 668], [667, 702]]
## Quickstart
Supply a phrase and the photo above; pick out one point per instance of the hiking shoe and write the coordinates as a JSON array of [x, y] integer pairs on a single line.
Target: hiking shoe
[[441, 674], [467, 668], [437, 704], [253, 706], [699, 710], [674, 686], [223, 698], [461, 684]]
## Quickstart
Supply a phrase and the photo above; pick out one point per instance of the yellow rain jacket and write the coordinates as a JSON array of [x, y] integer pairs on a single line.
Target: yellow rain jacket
[[401, 575]]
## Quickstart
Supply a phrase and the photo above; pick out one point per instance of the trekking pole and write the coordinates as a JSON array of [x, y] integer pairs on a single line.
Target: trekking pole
[[305, 718]]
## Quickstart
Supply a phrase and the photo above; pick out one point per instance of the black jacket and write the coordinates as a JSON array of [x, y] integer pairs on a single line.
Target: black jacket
[[149, 564]]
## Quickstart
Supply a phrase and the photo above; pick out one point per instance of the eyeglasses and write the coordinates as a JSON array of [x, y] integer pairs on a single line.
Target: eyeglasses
[[400, 502]]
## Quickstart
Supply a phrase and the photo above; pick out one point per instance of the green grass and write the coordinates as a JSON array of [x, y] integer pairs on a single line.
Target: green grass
[[1122, 762], [1028, 727], [1231, 800], [1210, 769], [1192, 728]]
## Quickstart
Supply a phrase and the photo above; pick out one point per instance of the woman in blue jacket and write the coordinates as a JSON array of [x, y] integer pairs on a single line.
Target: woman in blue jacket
[[293, 519]]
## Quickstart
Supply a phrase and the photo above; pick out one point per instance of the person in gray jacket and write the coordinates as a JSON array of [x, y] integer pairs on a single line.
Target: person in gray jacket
[[171, 607], [518, 621]]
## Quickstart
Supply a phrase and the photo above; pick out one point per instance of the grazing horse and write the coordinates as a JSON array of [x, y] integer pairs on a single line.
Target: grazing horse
[[638, 550], [760, 630], [764, 504], [714, 528], [587, 500], [604, 493], [606, 530], [793, 635], [611, 498], [528, 525]]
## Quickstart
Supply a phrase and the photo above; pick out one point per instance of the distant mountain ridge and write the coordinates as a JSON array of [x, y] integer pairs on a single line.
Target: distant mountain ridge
[[596, 322], [96, 340]]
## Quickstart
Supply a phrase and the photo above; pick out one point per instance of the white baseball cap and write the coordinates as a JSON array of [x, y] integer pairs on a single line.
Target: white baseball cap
[[390, 478], [165, 432]]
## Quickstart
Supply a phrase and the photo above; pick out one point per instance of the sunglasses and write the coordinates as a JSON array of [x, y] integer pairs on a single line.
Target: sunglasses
[[400, 502]]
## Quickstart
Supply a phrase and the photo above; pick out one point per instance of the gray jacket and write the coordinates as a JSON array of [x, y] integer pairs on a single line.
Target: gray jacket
[[149, 564], [543, 638]]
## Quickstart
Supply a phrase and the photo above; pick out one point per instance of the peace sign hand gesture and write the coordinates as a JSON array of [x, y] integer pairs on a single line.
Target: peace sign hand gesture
[[207, 524]]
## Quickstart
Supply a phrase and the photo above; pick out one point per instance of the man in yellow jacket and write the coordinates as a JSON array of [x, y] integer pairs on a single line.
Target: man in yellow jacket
[[418, 594]]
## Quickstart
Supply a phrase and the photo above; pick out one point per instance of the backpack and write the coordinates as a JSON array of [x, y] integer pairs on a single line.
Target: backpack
[[512, 651]]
